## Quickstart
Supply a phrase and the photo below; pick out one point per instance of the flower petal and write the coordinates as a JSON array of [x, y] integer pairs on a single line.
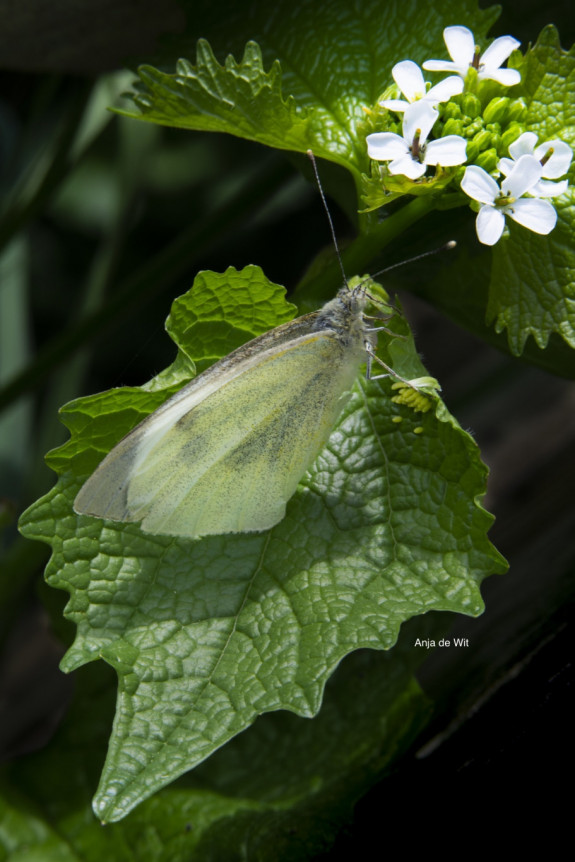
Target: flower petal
[[383, 146], [479, 185], [447, 88], [419, 116], [560, 160], [409, 78], [460, 44], [524, 146], [498, 52], [538, 216], [446, 151], [547, 189], [505, 166], [442, 66], [398, 105], [407, 166], [489, 225], [526, 172], [505, 77]]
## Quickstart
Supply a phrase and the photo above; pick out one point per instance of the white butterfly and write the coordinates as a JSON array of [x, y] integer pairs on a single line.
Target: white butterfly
[[225, 454]]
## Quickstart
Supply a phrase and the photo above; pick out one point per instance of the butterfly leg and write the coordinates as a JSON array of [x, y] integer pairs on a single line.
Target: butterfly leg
[[371, 357]]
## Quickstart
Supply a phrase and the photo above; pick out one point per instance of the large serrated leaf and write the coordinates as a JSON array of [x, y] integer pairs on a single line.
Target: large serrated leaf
[[242, 97], [335, 60], [533, 277], [459, 287], [205, 635], [280, 779], [533, 282]]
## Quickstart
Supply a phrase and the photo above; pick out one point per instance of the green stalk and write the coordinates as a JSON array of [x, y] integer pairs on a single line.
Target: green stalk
[[359, 256]]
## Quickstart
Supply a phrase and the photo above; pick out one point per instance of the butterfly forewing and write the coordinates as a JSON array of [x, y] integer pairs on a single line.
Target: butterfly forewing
[[226, 454]]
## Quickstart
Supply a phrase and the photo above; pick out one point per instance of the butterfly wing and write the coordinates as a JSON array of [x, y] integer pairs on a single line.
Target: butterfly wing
[[226, 453]]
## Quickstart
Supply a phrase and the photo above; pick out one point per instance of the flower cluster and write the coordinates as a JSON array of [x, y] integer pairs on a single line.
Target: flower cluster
[[524, 189], [460, 120]]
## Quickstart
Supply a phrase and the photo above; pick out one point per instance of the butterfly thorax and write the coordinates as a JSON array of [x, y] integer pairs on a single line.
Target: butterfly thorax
[[344, 315]]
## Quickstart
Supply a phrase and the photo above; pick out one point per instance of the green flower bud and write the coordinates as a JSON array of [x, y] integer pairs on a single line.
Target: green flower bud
[[453, 127], [517, 111], [471, 80], [437, 130], [473, 128], [495, 128], [488, 160], [471, 106], [510, 134], [496, 110], [459, 170], [472, 151], [496, 142], [482, 140], [451, 111]]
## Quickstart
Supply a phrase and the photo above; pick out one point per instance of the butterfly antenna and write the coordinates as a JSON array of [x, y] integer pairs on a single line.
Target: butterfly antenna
[[328, 214], [446, 247]]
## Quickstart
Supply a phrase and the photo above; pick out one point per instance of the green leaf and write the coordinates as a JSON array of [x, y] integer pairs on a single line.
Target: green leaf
[[206, 635], [26, 837], [381, 188], [458, 285], [281, 781], [532, 280], [241, 98], [532, 277], [334, 61]]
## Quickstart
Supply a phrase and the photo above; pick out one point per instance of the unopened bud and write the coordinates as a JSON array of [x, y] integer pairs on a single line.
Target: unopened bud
[[470, 105], [482, 139], [453, 127], [496, 141], [510, 134], [471, 79], [496, 110], [472, 151], [473, 128], [488, 160], [451, 110], [517, 111]]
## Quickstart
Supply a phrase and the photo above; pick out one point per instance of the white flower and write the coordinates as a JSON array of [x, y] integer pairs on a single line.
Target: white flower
[[464, 53], [555, 157], [534, 214], [409, 155], [409, 78]]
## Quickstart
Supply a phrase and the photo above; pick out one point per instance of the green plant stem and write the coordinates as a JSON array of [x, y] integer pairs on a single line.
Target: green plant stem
[[451, 200], [360, 254], [148, 279]]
